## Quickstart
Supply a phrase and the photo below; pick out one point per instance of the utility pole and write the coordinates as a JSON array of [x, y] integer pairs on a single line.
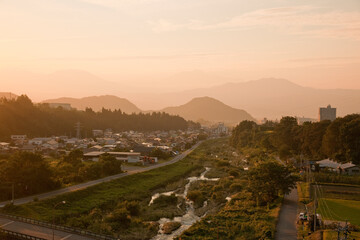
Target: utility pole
[[13, 193], [315, 210], [346, 231]]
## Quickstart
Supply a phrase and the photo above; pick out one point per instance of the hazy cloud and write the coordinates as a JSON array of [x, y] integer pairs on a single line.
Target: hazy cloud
[[303, 20]]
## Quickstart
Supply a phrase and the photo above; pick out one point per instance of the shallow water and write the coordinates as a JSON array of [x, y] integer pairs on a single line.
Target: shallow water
[[189, 218]]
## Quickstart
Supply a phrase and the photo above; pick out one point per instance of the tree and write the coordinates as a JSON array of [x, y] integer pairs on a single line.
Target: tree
[[267, 180], [311, 137], [157, 152], [110, 165], [30, 172], [350, 137], [74, 157], [285, 133], [244, 134], [341, 139]]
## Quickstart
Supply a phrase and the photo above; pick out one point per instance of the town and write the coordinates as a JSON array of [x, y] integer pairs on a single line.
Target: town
[[128, 146]]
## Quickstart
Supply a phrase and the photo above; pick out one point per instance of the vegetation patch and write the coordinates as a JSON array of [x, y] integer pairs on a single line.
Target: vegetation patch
[[340, 210], [303, 189], [169, 227]]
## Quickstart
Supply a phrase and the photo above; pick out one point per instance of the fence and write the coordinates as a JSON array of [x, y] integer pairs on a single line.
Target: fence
[[15, 235], [58, 227]]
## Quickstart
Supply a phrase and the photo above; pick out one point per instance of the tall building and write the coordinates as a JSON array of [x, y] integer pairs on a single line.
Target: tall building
[[327, 113]]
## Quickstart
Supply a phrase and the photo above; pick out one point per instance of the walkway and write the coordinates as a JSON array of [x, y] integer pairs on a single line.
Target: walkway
[[286, 227]]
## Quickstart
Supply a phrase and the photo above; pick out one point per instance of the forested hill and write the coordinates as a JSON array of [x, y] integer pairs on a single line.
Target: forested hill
[[21, 116]]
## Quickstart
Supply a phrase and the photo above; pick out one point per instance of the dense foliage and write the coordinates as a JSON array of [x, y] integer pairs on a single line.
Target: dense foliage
[[21, 116], [32, 174], [268, 180], [339, 139]]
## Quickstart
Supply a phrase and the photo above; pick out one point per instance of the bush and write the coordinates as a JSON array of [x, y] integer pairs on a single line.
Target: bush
[[166, 200], [222, 163], [234, 173], [236, 187], [196, 196], [121, 216]]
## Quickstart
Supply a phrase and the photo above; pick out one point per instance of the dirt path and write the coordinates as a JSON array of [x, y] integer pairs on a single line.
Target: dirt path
[[286, 227]]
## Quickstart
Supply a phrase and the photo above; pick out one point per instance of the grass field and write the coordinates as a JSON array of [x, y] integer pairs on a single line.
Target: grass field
[[340, 210], [346, 192]]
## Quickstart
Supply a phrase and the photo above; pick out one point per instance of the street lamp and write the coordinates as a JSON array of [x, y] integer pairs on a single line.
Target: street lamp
[[53, 218]]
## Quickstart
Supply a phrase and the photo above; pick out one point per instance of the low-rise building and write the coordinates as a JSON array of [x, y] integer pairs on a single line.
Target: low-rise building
[[18, 138], [350, 169], [131, 157], [345, 168]]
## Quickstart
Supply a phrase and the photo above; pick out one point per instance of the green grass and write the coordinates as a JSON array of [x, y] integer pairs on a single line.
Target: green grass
[[303, 192], [341, 210]]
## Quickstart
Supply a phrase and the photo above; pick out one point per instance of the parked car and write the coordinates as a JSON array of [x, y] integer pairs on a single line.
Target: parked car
[[302, 216]]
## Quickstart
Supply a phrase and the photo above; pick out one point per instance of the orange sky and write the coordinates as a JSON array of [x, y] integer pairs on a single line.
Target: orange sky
[[166, 45]]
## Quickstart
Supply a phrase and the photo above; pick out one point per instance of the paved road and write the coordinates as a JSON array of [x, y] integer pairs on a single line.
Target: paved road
[[38, 231], [286, 227], [95, 182]]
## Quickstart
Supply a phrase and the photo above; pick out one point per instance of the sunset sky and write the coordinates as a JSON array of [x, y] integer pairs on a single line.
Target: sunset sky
[[144, 44]]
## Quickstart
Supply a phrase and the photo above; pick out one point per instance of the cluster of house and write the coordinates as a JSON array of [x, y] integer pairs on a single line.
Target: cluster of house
[[342, 168], [128, 146]]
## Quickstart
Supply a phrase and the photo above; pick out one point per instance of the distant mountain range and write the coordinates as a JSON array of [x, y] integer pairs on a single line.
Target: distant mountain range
[[8, 95], [98, 102], [209, 109], [204, 109], [270, 98]]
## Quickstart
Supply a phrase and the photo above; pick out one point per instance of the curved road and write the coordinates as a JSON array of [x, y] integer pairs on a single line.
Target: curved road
[[98, 181]]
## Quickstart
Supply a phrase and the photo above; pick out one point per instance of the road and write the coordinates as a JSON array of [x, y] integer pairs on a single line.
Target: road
[[98, 181], [38, 231], [286, 226]]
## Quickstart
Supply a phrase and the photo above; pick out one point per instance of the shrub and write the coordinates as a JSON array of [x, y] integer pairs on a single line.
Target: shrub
[[196, 196], [166, 200], [235, 187]]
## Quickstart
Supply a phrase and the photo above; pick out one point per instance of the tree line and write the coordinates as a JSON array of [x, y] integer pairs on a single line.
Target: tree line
[[339, 139], [21, 116], [32, 174]]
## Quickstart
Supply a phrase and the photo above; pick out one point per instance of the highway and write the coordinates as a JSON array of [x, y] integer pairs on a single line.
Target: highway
[[98, 181]]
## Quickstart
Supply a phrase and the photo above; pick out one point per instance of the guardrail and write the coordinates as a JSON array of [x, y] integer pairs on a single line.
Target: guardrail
[[17, 235], [58, 227]]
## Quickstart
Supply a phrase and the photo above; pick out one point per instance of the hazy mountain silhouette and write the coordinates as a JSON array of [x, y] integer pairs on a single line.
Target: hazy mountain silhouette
[[8, 95], [271, 98], [73, 83], [209, 109], [98, 102]]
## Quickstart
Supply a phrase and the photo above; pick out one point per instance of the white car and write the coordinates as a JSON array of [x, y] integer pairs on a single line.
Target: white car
[[302, 216]]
